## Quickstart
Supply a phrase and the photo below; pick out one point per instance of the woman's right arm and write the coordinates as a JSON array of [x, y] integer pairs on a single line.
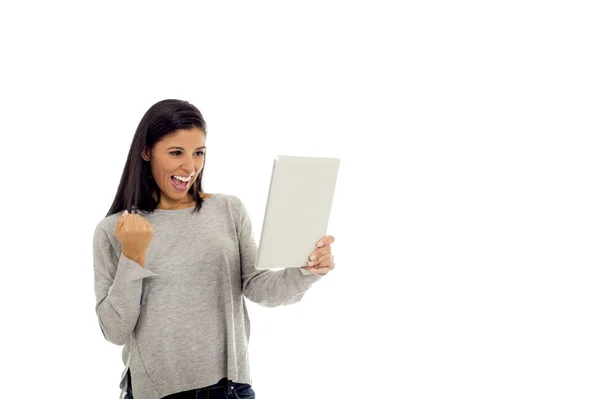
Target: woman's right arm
[[118, 287]]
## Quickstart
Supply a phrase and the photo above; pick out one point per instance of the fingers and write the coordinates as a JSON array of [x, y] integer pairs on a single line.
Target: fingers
[[320, 259], [319, 253], [326, 260], [140, 223], [132, 221], [327, 240], [324, 245], [326, 263]]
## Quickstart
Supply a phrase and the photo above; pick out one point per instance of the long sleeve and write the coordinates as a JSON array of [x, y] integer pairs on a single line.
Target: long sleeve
[[267, 287], [118, 288]]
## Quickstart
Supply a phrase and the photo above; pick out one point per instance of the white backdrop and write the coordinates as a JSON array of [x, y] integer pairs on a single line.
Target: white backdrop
[[466, 212]]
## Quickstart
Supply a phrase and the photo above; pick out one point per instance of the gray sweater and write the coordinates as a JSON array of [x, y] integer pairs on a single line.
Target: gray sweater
[[183, 319]]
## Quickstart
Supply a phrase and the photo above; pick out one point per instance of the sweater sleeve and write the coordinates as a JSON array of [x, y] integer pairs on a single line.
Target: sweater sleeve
[[267, 287], [118, 288]]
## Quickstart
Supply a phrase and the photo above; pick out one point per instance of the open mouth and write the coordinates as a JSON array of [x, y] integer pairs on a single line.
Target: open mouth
[[181, 184]]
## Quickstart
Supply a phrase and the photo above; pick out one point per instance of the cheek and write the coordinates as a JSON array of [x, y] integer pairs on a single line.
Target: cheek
[[161, 174], [166, 167]]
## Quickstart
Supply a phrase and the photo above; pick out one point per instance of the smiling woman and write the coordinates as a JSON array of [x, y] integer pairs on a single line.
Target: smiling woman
[[170, 278], [176, 167]]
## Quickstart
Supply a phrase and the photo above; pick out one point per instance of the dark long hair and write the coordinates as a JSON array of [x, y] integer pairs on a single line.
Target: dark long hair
[[137, 185]]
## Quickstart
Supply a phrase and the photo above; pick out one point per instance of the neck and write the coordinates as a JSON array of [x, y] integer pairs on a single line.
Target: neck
[[167, 203]]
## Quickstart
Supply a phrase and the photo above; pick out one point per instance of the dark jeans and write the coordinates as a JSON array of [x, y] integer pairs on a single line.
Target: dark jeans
[[224, 389]]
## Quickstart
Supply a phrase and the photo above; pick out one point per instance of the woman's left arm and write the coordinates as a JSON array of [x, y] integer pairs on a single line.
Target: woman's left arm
[[275, 287]]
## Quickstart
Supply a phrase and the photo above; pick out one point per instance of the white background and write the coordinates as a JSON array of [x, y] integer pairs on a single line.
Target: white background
[[466, 213]]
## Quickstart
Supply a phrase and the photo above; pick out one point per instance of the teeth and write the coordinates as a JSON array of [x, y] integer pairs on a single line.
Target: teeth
[[183, 178]]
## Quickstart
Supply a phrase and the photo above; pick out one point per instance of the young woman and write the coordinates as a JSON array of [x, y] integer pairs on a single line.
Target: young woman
[[173, 264]]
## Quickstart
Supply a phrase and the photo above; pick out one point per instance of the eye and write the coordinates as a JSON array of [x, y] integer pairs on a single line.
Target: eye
[[178, 152]]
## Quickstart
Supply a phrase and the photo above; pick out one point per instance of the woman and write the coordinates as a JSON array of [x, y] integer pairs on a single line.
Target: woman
[[172, 265]]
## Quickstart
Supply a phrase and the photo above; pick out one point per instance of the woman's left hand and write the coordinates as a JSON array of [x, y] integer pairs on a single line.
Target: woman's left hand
[[321, 261]]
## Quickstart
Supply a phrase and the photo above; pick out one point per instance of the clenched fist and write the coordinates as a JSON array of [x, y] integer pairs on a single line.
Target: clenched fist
[[135, 233]]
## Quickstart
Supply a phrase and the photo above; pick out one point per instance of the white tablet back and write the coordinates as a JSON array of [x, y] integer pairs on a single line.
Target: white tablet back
[[298, 209]]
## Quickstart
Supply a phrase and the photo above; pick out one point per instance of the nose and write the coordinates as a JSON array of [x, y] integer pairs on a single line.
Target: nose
[[188, 165]]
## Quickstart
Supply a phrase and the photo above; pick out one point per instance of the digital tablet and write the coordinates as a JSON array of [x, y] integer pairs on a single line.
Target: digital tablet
[[297, 211]]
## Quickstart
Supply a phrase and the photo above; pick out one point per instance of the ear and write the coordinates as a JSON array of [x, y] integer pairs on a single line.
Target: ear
[[146, 153]]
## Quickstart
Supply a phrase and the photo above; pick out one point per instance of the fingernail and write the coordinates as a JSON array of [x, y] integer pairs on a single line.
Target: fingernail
[[320, 244], [313, 257], [125, 213], [310, 263]]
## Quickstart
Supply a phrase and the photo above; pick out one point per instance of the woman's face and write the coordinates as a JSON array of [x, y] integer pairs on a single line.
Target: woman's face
[[175, 162]]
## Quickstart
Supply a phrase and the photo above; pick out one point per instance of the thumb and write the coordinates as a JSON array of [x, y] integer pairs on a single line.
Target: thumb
[[121, 219], [123, 216]]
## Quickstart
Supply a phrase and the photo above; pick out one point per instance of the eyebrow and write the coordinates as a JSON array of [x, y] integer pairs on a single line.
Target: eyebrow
[[179, 148]]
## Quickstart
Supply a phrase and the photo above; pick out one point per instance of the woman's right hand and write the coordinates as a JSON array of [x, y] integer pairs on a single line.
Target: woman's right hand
[[135, 233]]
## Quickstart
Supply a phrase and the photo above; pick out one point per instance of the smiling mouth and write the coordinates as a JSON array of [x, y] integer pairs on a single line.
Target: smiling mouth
[[179, 184]]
